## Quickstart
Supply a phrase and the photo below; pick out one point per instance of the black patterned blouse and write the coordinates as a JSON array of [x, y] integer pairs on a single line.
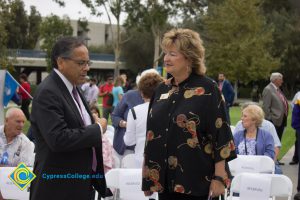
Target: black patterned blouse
[[187, 134]]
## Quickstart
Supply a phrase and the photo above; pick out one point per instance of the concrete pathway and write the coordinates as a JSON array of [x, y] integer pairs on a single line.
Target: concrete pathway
[[290, 170]]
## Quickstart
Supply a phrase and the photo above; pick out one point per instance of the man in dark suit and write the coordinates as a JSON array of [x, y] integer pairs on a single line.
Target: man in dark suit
[[227, 91], [68, 162]]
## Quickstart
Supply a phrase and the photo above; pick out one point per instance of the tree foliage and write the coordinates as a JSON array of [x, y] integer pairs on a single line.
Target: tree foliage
[[51, 29], [138, 52], [284, 15], [17, 30], [17, 25], [154, 16], [34, 21], [237, 41], [113, 8], [3, 36]]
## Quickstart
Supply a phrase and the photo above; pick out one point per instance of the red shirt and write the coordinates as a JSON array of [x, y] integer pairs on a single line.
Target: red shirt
[[105, 88], [26, 87]]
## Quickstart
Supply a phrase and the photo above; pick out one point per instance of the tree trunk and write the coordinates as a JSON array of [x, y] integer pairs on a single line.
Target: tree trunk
[[156, 50], [235, 90], [117, 51]]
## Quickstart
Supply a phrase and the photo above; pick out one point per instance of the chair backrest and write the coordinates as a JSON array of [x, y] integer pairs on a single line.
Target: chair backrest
[[252, 164], [128, 181], [232, 128], [8, 189], [280, 185], [117, 162], [110, 132], [128, 161]]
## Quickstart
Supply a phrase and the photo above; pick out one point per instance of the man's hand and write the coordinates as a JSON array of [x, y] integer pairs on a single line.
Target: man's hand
[[123, 124], [101, 121], [148, 193]]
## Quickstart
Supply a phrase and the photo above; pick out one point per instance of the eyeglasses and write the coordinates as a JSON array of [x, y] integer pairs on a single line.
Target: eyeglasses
[[81, 63]]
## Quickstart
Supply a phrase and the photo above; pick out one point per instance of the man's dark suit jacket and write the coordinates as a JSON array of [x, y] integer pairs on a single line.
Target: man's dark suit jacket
[[63, 145], [228, 93]]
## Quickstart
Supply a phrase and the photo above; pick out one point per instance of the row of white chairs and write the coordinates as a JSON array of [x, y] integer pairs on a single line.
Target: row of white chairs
[[128, 180]]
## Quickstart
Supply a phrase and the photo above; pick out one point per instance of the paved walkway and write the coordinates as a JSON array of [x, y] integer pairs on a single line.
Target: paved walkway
[[290, 170]]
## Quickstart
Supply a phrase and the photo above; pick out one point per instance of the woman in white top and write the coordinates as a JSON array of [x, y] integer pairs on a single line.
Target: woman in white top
[[137, 116]]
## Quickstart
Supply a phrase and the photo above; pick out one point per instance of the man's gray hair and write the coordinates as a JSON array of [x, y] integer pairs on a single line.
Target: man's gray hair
[[275, 75]]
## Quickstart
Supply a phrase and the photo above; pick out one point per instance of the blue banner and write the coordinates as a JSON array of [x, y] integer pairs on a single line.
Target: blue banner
[[10, 87]]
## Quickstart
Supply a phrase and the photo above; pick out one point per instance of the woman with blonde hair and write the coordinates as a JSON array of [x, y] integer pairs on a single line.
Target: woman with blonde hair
[[254, 140], [188, 138]]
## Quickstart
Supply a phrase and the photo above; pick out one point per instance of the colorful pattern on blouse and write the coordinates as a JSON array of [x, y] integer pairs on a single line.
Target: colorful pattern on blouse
[[187, 133]]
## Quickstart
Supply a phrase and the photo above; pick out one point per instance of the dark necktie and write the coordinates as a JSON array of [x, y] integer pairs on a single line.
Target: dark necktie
[[76, 97]]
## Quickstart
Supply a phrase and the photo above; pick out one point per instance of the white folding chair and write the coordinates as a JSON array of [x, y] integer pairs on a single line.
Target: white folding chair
[[232, 128], [110, 132], [128, 161], [8, 189], [117, 160], [128, 181], [280, 185], [252, 164]]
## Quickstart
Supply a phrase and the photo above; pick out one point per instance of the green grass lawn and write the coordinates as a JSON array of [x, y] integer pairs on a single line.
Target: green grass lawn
[[288, 138]]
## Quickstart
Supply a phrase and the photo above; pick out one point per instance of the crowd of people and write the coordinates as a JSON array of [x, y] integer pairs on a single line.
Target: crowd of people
[[178, 128]]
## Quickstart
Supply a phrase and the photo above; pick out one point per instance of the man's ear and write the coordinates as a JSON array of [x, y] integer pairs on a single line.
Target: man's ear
[[60, 63]]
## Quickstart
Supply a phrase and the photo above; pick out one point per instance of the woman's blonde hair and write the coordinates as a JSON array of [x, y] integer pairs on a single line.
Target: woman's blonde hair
[[189, 43], [256, 114], [119, 81]]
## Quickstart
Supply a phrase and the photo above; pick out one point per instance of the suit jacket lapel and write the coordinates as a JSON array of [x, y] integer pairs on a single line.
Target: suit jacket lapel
[[67, 96], [85, 105]]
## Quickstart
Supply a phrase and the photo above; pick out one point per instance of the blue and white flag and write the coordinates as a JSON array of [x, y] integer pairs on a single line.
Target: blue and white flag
[[10, 86]]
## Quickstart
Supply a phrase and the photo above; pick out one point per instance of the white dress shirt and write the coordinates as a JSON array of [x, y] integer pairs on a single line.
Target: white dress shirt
[[92, 95], [20, 149], [83, 112]]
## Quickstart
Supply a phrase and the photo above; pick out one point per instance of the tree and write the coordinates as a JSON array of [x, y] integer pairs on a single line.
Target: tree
[[17, 25], [138, 52], [4, 61], [284, 15], [114, 8], [51, 29], [237, 41], [34, 20], [153, 16]]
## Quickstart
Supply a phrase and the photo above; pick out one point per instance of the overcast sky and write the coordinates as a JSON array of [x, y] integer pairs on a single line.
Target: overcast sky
[[73, 8]]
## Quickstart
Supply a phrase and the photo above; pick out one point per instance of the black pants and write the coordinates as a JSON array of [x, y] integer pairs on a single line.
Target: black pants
[[295, 157], [25, 107], [280, 129], [179, 196]]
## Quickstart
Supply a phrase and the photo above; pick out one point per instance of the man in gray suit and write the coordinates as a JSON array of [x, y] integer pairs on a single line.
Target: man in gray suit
[[275, 104]]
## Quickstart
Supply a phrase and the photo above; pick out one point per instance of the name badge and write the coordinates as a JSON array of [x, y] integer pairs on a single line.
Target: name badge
[[164, 96]]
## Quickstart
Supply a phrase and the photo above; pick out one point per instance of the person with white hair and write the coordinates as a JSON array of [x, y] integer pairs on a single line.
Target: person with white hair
[[275, 104], [119, 117], [15, 147]]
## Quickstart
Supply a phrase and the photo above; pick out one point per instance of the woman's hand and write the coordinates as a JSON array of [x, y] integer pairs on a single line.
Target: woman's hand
[[148, 193], [216, 188]]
